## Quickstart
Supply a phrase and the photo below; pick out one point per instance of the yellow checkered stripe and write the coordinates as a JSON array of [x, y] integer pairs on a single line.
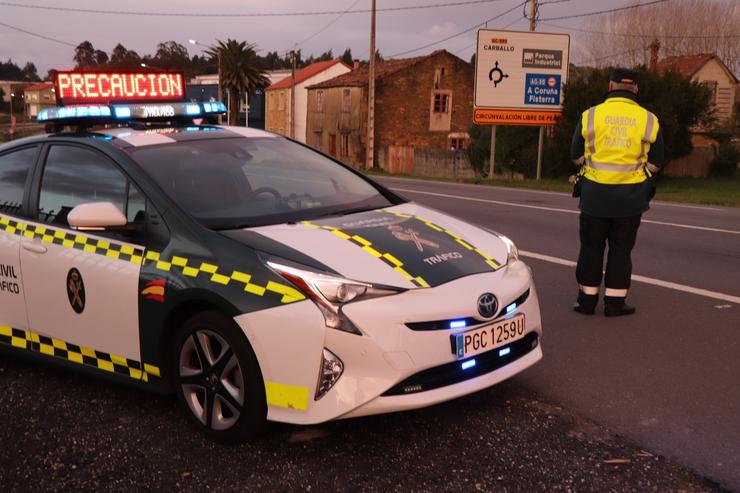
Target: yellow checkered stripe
[[490, 261], [367, 246], [68, 239], [214, 273], [55, 348], [137, 256]]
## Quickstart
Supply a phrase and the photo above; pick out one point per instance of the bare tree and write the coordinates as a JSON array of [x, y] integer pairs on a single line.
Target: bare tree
[[683, 27]]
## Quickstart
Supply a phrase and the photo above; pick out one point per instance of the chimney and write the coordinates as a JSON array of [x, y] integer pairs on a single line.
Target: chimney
[[654, 49], [356, 65]]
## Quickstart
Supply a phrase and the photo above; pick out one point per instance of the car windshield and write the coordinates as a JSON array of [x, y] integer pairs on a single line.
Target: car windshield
[[240, 182]]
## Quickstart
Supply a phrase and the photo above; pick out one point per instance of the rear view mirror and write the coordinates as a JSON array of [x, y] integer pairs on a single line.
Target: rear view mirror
[[96, 215]]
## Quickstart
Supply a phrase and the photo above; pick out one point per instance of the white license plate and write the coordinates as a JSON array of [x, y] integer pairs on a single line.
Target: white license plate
[[484, 339]]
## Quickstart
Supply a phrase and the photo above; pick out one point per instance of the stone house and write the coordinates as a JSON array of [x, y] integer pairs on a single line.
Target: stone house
[[424, 102], [277, 97]]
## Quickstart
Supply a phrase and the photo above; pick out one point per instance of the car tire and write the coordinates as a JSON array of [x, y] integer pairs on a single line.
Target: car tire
[[217, 379]]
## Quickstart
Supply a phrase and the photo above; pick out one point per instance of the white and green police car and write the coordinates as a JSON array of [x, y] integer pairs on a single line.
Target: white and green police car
[[253, 276]]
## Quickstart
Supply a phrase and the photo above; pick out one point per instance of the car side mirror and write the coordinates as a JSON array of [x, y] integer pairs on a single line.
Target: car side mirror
[[96, 215]]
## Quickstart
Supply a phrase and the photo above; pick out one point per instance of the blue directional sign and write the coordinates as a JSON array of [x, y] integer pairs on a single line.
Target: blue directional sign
[[542, 89]]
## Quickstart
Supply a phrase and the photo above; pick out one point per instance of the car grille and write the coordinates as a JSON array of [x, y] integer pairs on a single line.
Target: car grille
[[452, 373], [469, 321]]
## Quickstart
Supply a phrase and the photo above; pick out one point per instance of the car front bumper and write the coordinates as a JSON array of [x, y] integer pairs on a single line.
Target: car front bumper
[[289, 340]]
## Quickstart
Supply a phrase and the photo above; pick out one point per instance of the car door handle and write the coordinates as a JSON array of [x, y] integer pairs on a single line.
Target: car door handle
[[33, 246]]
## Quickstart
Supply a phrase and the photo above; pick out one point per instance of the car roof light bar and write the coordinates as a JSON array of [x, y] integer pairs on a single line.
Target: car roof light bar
[[121, 113]]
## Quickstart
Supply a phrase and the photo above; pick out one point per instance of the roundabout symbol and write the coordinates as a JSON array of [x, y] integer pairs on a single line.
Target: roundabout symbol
[[499, 77]]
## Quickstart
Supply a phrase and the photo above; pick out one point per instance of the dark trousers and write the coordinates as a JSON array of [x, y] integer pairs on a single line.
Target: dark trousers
[[620, 233]]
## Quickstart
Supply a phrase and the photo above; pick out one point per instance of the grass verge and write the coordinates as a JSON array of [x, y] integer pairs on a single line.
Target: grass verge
[[711, 191]]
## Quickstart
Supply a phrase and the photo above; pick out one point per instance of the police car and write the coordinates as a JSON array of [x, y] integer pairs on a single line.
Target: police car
[[256, 278]]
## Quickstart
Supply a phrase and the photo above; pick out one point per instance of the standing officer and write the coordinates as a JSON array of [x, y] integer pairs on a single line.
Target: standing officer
[[619, 146]]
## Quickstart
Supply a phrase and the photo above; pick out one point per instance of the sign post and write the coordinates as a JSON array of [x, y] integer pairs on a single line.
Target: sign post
[[519, 77]]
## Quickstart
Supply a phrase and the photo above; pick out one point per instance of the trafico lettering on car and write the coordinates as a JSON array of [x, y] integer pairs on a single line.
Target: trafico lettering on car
[[8, 272]]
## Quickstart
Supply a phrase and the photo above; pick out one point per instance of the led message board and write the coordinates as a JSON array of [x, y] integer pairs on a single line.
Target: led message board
[[118, 87]]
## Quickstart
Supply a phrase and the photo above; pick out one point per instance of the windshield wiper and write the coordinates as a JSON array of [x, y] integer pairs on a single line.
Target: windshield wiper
[[346, 212]]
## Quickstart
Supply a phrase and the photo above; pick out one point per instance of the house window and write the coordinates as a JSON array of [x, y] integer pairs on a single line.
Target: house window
[[343, 146], [457, 143], [457, 140], [319, 101], [441, 102], [346, 100]]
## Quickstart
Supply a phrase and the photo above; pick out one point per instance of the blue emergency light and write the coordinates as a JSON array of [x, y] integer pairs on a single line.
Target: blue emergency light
[[118, 113]]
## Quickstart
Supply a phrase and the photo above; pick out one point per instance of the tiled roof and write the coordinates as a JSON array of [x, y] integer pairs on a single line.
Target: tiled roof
[[305, 74], [359, 78], [39, 87], [686, 65]]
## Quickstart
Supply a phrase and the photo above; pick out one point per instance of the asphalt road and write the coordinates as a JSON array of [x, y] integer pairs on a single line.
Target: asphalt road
[[666, 377], [66, 432]]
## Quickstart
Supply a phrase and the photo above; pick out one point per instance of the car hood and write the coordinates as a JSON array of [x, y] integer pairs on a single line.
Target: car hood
[[407, 245]]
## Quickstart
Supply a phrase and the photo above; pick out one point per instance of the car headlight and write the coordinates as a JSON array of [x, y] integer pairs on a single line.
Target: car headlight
[[512, 252], [330, 292]]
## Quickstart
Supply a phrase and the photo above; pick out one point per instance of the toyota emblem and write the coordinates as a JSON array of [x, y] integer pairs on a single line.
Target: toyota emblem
[[487, 305]]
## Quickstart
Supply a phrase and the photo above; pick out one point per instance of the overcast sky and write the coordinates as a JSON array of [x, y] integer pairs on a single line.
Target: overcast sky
[[396, 31]]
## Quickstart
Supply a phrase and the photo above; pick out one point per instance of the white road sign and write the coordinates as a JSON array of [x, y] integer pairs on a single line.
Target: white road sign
[[519, 77]]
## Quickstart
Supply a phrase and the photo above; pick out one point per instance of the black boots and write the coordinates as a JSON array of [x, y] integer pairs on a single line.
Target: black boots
[[616, 307], [586, 304]]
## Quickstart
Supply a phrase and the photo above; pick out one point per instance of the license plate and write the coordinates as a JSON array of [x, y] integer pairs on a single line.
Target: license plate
[[484, 339]]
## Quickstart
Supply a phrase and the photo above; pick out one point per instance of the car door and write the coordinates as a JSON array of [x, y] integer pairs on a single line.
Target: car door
[[15, 167], [82, 286]]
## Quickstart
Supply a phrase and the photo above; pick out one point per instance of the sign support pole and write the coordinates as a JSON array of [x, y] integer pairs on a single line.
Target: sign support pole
[[493, 151], [539, 153]]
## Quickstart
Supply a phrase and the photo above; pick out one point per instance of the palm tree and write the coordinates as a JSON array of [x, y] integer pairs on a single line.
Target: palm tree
[[241, 70]]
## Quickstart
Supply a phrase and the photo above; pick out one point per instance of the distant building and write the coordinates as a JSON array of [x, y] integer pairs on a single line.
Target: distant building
[[278, 118], [420, 103], [205, 88], [707, 69], [15, 86], [38, 97]]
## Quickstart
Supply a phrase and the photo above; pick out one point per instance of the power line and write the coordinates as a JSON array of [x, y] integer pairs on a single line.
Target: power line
[[626, 52], [633, 35], [328, 25], [242, 14], [458, 33], [30, 33], [608, 11]]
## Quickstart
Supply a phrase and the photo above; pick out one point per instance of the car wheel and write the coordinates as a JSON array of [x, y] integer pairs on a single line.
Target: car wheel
[[217, 379]]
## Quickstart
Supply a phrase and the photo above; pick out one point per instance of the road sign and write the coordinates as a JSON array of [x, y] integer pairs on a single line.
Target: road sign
[[519, 77]]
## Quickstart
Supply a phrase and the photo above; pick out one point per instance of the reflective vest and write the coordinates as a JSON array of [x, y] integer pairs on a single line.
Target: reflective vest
[[618, 134]]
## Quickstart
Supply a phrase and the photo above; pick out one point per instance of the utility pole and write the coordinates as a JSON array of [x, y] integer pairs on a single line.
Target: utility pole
[[541, 139], [292, 95], [370, 152]]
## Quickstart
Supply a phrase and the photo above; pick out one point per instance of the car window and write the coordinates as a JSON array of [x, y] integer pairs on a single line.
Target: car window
[[136, 205], [14, 167], [230, 183], [74, 175]]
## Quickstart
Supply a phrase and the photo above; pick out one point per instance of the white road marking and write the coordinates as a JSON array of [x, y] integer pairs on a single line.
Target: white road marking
[[643, 279], [660, 203], [557, 209]]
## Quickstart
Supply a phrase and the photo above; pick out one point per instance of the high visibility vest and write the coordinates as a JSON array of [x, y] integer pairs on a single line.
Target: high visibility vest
[[618, 134]]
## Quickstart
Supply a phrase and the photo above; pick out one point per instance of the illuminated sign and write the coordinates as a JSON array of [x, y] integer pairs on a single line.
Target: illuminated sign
[[115, 87]]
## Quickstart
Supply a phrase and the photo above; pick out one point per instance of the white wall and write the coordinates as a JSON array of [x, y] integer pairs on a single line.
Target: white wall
[[301, 96]]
